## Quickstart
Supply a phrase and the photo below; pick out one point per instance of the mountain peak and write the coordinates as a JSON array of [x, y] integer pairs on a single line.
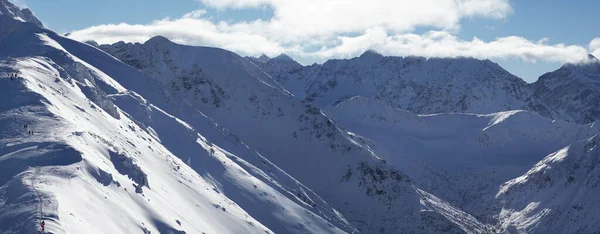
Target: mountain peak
[[264, 58], [283, 57], [9, 9], [371, 52], [591, 65], [158, 40]]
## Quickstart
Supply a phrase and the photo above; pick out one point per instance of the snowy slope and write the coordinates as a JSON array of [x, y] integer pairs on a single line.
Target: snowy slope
[[573, 91], [420, 85], [94, 173], [461, 158], [292, 134], [557, 195], [165, 138], [146, 152], [91, 159]]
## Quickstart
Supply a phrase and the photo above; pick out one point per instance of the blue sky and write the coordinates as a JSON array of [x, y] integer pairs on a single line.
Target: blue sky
[[522, 36]]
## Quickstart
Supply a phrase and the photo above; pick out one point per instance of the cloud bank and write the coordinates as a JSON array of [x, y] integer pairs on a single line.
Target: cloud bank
[[317, 30], [595, 47]]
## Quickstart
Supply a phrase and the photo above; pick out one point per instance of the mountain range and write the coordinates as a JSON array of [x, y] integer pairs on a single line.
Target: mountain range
[[158, 137], [442, 85]]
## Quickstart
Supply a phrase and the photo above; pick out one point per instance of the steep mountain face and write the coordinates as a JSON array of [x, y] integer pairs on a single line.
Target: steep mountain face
[[416, 84], [293, 134], [165, 138], [83, 170], [103, 159], [557, 195], [573, 91], [460, 158], [201, 142]]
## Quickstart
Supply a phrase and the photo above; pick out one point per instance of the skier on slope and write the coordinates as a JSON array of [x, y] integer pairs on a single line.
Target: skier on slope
[[43, 224]]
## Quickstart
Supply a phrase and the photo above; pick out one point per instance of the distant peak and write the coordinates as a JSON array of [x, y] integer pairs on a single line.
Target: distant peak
[[263, 58], [591, 61], [92, 43], [371, 53], [283, 57], [29, 17], [157, 40], [588, 69]]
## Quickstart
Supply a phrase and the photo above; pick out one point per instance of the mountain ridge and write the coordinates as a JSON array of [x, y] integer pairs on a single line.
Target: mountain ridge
[[440, 85], [158, 137], [297, 124], [153, 175]]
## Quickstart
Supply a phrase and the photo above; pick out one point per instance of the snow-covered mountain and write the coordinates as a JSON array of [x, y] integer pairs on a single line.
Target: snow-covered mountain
[[459, 159], [464, 159], [557, 195], [573, 91], [279, 67], [417, 84], [201, 142], [443, 152], [103, 159], [443, 85], [291, 133], [166, 138]]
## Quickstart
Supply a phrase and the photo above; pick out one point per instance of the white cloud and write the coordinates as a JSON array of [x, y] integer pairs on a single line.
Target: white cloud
[[497, 9], [595, 47], [197, 14], [444, 44], [204, 33], [298, 27], [222, 4], [325, 17]]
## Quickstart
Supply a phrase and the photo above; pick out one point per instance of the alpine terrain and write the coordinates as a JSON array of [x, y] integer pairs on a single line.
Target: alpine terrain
[[158, 137], [442, 85]]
